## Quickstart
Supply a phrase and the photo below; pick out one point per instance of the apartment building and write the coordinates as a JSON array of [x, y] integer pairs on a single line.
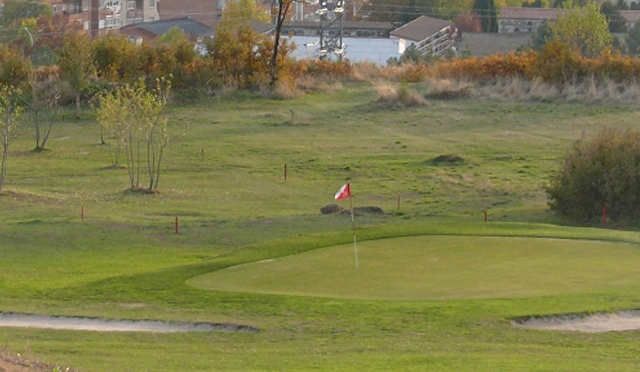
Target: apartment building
[[100, 16], [203, 11]]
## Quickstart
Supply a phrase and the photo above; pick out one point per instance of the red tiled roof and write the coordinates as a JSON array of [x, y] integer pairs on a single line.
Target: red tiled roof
[[630, 15]]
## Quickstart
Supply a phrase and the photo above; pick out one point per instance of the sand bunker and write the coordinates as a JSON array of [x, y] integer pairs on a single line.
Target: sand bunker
[[622, 321], [105, 325]]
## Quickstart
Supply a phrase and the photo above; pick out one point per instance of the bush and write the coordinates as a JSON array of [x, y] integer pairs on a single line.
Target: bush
[[600, 172]]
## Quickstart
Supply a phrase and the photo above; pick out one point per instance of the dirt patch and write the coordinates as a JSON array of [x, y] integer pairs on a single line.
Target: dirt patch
[[598, 323], [448, 159], [17, 363], [107, 325]]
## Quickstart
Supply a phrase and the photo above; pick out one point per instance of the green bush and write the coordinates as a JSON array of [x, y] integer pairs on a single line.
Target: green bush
[[603, 171]]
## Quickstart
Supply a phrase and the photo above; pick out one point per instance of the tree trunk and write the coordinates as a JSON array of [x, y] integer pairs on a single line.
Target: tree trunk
[[36, 125], [5, 154], [283, 9]]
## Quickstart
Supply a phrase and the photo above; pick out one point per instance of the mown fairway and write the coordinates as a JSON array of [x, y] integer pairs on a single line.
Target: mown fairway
[[224, 181], [439, 267]]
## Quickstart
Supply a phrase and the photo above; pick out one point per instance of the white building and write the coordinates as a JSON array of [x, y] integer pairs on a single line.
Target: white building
[[356, 50]]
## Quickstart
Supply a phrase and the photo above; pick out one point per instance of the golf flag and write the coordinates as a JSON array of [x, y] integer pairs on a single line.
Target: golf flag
[[344, 192]]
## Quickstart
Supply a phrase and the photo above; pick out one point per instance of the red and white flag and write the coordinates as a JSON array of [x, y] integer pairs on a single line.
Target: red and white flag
[[344, 192]]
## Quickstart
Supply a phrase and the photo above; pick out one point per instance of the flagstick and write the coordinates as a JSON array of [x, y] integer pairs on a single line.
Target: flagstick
[[353, 226]]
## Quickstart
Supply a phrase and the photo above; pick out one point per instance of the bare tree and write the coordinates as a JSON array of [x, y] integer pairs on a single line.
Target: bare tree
[[44, 105], [134, 114]]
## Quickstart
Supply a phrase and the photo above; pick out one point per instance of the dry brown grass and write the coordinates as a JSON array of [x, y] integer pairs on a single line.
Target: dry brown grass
[[393, 87], [402, 96], [587, 90], [448, 88], [308, 83]]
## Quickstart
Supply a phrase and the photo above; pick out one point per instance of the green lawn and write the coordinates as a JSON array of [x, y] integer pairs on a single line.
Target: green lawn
[[436, 286], [440, 267]]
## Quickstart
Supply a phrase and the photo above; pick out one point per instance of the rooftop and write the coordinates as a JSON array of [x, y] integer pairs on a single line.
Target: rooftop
[[420, 28]]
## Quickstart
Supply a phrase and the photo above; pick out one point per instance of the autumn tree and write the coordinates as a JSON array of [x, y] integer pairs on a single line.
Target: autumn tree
[[467, 23], [175, 52], [398, 11], [241, 58], [75, 61], [14, 68], [584, 29], [15, 10], [240, 13], [575, 3], [486, 10], [48, 34], [617, 23], [452, 8], [536, 4], [10, 111], [116, 59], [632, 40]]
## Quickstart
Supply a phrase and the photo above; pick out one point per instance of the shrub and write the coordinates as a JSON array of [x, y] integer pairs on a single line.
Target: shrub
[[600, 172]]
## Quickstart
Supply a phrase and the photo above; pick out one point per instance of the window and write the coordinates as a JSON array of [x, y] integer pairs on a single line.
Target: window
[[152, 3]]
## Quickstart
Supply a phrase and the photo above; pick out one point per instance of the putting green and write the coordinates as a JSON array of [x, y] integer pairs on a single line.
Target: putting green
[[439, 267]]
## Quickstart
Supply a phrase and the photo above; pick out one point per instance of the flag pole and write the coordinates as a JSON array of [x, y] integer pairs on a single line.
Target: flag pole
[[353, 227]]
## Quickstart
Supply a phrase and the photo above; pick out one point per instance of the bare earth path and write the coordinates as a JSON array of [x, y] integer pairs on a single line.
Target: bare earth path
[[622, 321], [105, 325]]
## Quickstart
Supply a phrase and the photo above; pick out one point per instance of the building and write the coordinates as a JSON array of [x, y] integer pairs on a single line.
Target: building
[[203, 11], [349, 29], [514, 20], [100, 16], [377, 42], [631, 16], [149, 31], [431, 36]]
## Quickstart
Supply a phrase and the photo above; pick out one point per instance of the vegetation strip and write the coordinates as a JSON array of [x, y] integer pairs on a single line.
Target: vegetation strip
[[112, 325]]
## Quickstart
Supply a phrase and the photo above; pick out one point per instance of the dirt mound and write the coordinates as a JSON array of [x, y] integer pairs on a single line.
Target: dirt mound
[[447, 159], [364, 210], [331, 208]]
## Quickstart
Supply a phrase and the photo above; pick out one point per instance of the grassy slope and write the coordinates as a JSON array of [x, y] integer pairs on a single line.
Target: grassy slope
[[125, 261]]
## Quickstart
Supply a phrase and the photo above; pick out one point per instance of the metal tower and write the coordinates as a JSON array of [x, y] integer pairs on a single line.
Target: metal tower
[[330, 13]]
